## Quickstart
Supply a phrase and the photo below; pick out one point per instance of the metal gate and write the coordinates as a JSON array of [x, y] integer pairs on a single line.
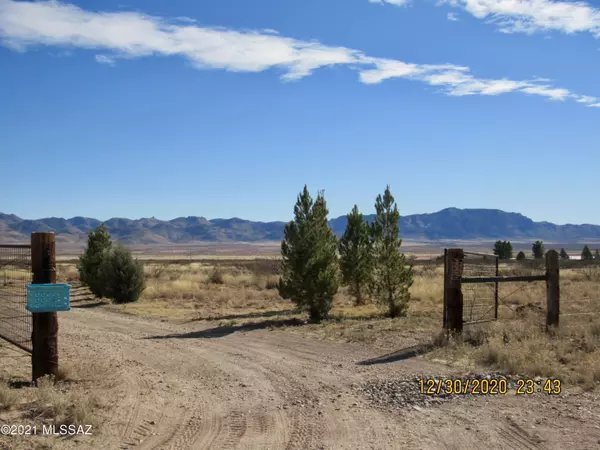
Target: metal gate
[[480, 299], [15, 273]]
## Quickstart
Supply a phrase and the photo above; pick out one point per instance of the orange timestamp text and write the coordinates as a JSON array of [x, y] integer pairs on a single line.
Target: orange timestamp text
[[489, 386]]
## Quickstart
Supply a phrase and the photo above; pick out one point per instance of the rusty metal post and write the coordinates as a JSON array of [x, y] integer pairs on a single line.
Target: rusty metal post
[[44, 337], [552, 289], [496, 290], [453, 290]]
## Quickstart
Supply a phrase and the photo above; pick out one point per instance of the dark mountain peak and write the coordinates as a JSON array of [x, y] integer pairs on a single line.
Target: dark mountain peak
[[449, 223]]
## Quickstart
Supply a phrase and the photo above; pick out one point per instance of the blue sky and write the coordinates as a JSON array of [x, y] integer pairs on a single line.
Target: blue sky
[[227, 108]]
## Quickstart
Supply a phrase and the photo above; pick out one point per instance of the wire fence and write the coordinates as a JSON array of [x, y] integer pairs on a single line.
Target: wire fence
[[479, 299], [580, 296], [15, 274]]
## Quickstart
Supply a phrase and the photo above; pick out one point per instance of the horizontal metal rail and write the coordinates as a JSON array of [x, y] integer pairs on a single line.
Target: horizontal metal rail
[[502, 279], [490, 255], [15, 246]]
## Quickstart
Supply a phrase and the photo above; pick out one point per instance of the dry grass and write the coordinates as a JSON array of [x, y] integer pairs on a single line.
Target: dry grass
[[522, 347], [76, 397]]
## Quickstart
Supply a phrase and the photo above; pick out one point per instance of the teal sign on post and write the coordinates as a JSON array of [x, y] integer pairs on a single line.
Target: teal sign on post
[[48, 297]]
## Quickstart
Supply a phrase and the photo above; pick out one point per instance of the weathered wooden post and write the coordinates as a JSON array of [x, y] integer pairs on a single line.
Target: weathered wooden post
[[44, 337], [453, 290], [444, 314], [552, 289]]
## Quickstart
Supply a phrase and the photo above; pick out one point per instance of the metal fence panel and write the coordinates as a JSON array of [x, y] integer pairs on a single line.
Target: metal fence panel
[[15, 274], [480, 300]]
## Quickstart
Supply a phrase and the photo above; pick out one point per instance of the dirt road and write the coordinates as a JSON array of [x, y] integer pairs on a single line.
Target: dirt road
[[192, 386]]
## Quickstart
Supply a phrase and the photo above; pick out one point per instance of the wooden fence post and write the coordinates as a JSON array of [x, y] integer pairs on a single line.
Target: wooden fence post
[[552, 289], [44, 357], [453, 298]]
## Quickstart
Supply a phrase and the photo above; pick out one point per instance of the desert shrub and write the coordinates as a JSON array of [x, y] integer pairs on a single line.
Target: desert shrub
[[590, 273], [521, 256], [8, 397], [157, 271], [216, 276], [122, 275], [272, 282]]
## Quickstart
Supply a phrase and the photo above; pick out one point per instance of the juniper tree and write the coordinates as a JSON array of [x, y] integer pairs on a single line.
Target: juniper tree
[[597, 255], [521, 256], [309, 258], [99, 243], [563, 254], [355, 256], [392, 275], [537, 249], [503, 249], [586, 253], [122, 275]]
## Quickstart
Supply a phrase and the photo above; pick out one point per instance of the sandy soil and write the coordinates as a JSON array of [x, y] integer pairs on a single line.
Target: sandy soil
[[194, 387]]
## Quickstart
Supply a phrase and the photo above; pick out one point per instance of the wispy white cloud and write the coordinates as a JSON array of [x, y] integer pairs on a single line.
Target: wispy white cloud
[[452, 17], [527, 16], [132, 35], [104, 59], [531, 16], [458, 81], [391, 2]]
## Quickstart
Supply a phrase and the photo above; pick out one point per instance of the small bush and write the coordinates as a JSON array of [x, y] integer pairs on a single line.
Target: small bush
[[590, 273], [272, 282], [158, 270], [122, 275], [8, 397], [216, 276]]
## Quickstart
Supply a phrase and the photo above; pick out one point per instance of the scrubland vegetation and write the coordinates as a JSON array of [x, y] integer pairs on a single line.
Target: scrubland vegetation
[[244, 293], [362, 288]]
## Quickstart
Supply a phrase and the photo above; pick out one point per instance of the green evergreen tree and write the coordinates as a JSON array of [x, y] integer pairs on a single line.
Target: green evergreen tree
[[392, 275], [537, 249], [563, 254], [122, 275], [597, 255], [99, 243], [309, 258], [503, 249], [521, 256], [355, 256], [586, 253]]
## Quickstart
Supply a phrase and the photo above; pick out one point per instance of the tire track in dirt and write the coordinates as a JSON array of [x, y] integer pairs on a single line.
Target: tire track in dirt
[[258, 422], [133, 386], [154, 418], [317, 373], [516, 438]]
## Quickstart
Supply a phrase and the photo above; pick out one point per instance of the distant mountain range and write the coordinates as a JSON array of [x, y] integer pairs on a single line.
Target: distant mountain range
[[448, 224]]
